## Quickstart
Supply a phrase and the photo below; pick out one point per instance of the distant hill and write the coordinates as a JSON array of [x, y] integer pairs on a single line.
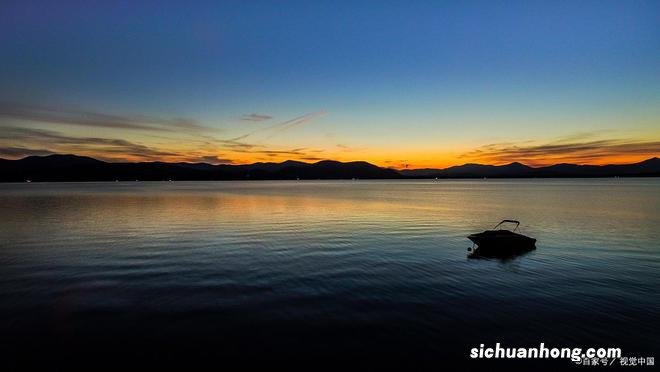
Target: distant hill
[[474, 170], [81, 168], [650, 167], [508, 170]]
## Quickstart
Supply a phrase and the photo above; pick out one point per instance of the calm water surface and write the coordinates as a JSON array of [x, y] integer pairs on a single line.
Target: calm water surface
[[367, 271]]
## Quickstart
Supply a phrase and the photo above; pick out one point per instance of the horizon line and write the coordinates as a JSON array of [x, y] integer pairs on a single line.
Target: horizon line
[[328, 160]]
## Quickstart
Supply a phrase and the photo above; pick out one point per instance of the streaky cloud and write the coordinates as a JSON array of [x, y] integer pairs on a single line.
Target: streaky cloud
[[19, 152], [52, 141], [74, 116], [562, 150], [255, 117], [214, 159], [296, 122], [236, 144], [281, 126], [347, 148]]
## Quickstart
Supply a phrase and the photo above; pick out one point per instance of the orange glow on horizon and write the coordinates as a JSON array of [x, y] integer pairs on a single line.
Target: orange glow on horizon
[[414, 163], [594, 150]]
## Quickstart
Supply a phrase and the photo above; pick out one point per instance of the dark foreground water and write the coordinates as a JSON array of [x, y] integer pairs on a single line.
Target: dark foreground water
[[366, 274]]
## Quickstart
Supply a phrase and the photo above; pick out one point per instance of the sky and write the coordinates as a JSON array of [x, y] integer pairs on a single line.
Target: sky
[[402, 84]]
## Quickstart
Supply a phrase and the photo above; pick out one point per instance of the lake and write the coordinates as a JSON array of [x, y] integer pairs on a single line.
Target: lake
[[371, 273]]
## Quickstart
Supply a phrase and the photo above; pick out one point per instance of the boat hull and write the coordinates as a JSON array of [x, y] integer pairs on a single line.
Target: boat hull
[[501, 243]]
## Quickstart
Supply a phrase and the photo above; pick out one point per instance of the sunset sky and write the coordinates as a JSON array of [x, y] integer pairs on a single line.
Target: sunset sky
[[396, 83]]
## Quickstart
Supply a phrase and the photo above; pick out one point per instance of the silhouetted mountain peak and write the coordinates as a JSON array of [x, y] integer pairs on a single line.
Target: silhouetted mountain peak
[[284, 163], [649, 167], [653, 160], [518, 165], [327, 162], [60, 159], [58, 167], [361, 162], [471, 165]]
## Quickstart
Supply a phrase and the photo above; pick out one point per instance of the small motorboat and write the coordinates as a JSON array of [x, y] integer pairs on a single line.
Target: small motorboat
[[500, 242]]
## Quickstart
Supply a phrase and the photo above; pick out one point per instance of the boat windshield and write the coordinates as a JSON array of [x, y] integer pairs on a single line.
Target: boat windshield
[[517, 223]]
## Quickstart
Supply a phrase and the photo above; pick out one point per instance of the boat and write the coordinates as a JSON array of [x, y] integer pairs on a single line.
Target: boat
[[500, 242]]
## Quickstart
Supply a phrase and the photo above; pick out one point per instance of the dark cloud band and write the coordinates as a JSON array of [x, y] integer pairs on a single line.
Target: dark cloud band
[[71, 116], [569, 151]]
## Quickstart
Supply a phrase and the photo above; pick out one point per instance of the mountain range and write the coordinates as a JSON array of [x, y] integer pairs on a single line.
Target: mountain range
[[80, 168], [649, 167]]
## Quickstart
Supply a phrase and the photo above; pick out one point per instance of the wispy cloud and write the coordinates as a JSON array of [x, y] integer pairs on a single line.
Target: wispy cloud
[[40, 139], [347, 148], [296, 122], [272, 152], [235, 144], [78, 117], [255, 117], [214, 159], [53, 142], [18, 142], [280, 127], [567, 149], [20, 152]]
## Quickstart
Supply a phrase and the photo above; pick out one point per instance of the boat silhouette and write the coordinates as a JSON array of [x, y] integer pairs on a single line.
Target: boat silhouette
[[500, 243]]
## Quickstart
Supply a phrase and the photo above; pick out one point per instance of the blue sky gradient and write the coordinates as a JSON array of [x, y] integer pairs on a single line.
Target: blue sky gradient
[[398, 82]]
